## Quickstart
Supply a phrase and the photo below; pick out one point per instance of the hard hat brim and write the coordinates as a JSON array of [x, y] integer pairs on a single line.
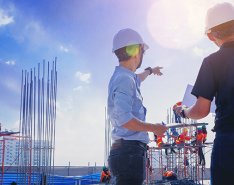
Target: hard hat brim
[[145, 46]]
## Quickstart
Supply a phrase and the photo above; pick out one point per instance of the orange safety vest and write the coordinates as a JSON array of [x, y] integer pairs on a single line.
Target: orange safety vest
[[200, 138], [159, 141], [168, 174], [104, 174], [182, 138]]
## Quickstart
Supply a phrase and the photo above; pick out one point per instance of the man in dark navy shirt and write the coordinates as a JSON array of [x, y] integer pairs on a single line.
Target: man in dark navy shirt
[[216, 79]]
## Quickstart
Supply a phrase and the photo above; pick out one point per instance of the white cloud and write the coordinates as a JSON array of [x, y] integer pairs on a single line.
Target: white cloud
[[198, 51], [11, 84], [33, 32], [63, 49], [15, 125], [5, 19], [10, 62], [82, 119], [78, 88], [84, 77]]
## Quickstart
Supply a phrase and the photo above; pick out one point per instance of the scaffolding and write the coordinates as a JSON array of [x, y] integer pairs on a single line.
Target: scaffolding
[[4, 136], [108, 141], [185, 163]]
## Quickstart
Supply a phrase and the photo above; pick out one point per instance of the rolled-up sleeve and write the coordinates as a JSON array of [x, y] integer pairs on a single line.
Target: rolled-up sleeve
[[123, 98]]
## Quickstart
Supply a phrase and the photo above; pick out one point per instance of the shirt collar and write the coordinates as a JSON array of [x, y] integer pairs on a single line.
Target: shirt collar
[[125, 70]]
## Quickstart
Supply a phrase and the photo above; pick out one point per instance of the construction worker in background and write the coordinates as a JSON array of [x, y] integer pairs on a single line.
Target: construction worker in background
[[216, 79], [127, 159], [183, 137], [204, 131], [169, 175], [158, 140], [177, 116], [198, 142], [160, 143], [174, 134], [181, 143], [105, 175]]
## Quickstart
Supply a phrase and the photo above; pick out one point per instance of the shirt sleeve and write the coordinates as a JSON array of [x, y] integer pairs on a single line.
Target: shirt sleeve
[[205, 83], [138, 81], [123, 97]]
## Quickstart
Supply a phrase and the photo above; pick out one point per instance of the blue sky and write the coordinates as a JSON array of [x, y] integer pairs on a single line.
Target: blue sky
[[79, 33]]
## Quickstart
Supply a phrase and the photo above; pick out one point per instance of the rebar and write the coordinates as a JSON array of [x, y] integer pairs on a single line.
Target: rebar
[[37, 125]]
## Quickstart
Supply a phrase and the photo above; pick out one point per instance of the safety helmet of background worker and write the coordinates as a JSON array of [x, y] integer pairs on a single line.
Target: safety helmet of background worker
[[185, 129], [203, 126], [105, 168], [219, 14], [127, 37], [199, 128]]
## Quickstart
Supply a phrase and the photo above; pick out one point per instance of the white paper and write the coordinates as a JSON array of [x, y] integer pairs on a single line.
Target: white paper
[[190, 99]]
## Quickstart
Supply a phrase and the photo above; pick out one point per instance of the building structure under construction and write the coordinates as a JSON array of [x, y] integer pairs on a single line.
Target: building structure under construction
[[170, 159]]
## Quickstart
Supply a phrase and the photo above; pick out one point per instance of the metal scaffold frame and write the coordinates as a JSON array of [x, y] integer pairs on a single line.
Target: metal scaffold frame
[[108, 141], [184, 163], [6, 136], [157, 162]]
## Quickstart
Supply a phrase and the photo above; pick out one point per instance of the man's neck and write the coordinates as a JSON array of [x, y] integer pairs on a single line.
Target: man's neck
[[128, 64], [229, 39]]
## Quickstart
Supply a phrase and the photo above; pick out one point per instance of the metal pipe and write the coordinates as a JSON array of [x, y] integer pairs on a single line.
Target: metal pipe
[[37, 125]]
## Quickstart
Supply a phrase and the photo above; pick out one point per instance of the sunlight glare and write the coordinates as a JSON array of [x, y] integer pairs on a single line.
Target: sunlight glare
[[177, 24]]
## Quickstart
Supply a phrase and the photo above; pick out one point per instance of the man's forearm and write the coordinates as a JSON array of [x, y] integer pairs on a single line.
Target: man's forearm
[[194, 113], [199, 110], [143, 75], [137, 125]]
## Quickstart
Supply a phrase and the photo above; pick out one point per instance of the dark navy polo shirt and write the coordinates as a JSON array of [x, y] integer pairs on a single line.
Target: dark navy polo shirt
[[216, 79]]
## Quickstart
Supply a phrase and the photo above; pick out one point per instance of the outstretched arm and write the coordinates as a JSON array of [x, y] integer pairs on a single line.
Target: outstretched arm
[[146, 73]]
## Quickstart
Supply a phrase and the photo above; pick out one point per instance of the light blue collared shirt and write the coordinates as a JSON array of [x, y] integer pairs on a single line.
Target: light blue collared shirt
[[125, 103]]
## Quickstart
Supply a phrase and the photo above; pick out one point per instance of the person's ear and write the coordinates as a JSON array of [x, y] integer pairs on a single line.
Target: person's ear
[[136, 56]]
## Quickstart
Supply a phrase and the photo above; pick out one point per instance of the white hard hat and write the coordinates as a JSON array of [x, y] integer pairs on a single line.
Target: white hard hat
[[219, 14], [127, 37]]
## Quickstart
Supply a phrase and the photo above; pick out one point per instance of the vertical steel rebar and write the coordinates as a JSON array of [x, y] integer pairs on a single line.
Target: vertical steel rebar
[[37, 125]]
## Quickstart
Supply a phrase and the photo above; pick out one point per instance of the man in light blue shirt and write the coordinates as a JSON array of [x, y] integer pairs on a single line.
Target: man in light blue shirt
[[127, 160]]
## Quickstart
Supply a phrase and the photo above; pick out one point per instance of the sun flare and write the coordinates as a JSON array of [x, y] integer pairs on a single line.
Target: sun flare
[[177, 24]]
